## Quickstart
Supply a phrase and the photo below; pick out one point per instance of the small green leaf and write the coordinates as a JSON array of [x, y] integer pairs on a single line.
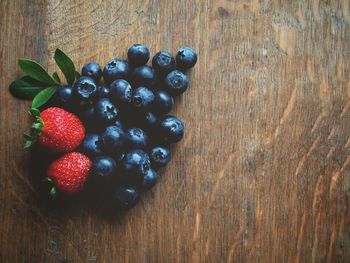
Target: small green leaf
[[43, 96], [53, 192], [56, 77], [37, 126], [25, 88], [66, 65], [29, 144], [28, 137], [77, 75], [34, 70], [34, 112]]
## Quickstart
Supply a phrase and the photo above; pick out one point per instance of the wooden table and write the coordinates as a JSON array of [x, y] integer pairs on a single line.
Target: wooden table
[[263, 173]]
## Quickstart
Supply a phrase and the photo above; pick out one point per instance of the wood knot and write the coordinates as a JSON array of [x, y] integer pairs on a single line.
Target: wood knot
[[223, 12]]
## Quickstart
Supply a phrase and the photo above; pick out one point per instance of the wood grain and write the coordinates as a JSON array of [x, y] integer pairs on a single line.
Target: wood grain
[[262, 174]]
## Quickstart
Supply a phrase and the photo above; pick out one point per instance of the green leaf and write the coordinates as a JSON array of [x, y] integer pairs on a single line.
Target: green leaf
[[34, 70], [28, 137], [37, 126], [77, 75], [34, 112], [43, 96], [66, 65], [29, 144], [53, 192], [25, 88], [56, 77]]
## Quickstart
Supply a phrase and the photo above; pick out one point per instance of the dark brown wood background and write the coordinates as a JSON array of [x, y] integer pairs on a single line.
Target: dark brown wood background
[[263, 173]]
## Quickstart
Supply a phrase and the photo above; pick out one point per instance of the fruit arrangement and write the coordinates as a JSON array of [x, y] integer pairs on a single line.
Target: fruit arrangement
[[108, 126]]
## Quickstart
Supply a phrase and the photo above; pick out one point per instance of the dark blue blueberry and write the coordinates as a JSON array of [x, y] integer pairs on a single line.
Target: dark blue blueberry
[[142, 98], [138, 55], [105, 110], [171, 129], [149, 179], [121, 92], [64, 98], [103, 168], [65, 94], [91, 122], [163, 62], [115, 69], [126, 197], [186, 58], [176, 82], [163, 102], [136, 138], [87, 113], [119, 124], [92, 70], [92, 145], [136, 163], [148, 121], [144, 76], [160, 156], [102, 92], [113, 138], [84, 89]]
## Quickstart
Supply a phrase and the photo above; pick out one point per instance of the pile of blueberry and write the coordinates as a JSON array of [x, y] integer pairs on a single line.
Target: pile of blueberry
[[126, 117]]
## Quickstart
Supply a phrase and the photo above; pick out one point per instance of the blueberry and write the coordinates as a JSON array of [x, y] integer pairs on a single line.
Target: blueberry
[[92, 70], [126, 197], [92, 145], [176, 82], [64, 98], [171, 129], [163, 62], [65, 94], [186, 58], [136, 138], [115, 69], [87, 113], [160, 156], [103, 168], [148, 121], [144, 76], [105, 110], [84, 89], [142, 98], [136, 163], [149, 179], [103, 92], [163, 102], [121, 92], [113, 138], [138, 55], [119, 124]]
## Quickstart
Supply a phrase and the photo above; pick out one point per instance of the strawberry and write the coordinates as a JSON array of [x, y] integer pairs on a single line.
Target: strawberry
[[69, 173], [56, 130]]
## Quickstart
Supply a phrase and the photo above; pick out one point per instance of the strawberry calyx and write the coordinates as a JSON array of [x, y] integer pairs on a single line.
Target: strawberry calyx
[[53, 193], [32, 136]]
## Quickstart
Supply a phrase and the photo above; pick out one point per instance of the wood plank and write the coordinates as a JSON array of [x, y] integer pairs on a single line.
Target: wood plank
[[22, 230], [262, 174]]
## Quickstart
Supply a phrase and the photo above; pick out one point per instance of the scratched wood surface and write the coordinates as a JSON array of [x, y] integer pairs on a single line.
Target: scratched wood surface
[[263, 173]]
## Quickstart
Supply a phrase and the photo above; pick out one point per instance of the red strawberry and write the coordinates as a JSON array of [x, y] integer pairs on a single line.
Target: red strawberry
[[56, 130], [69, 173]]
